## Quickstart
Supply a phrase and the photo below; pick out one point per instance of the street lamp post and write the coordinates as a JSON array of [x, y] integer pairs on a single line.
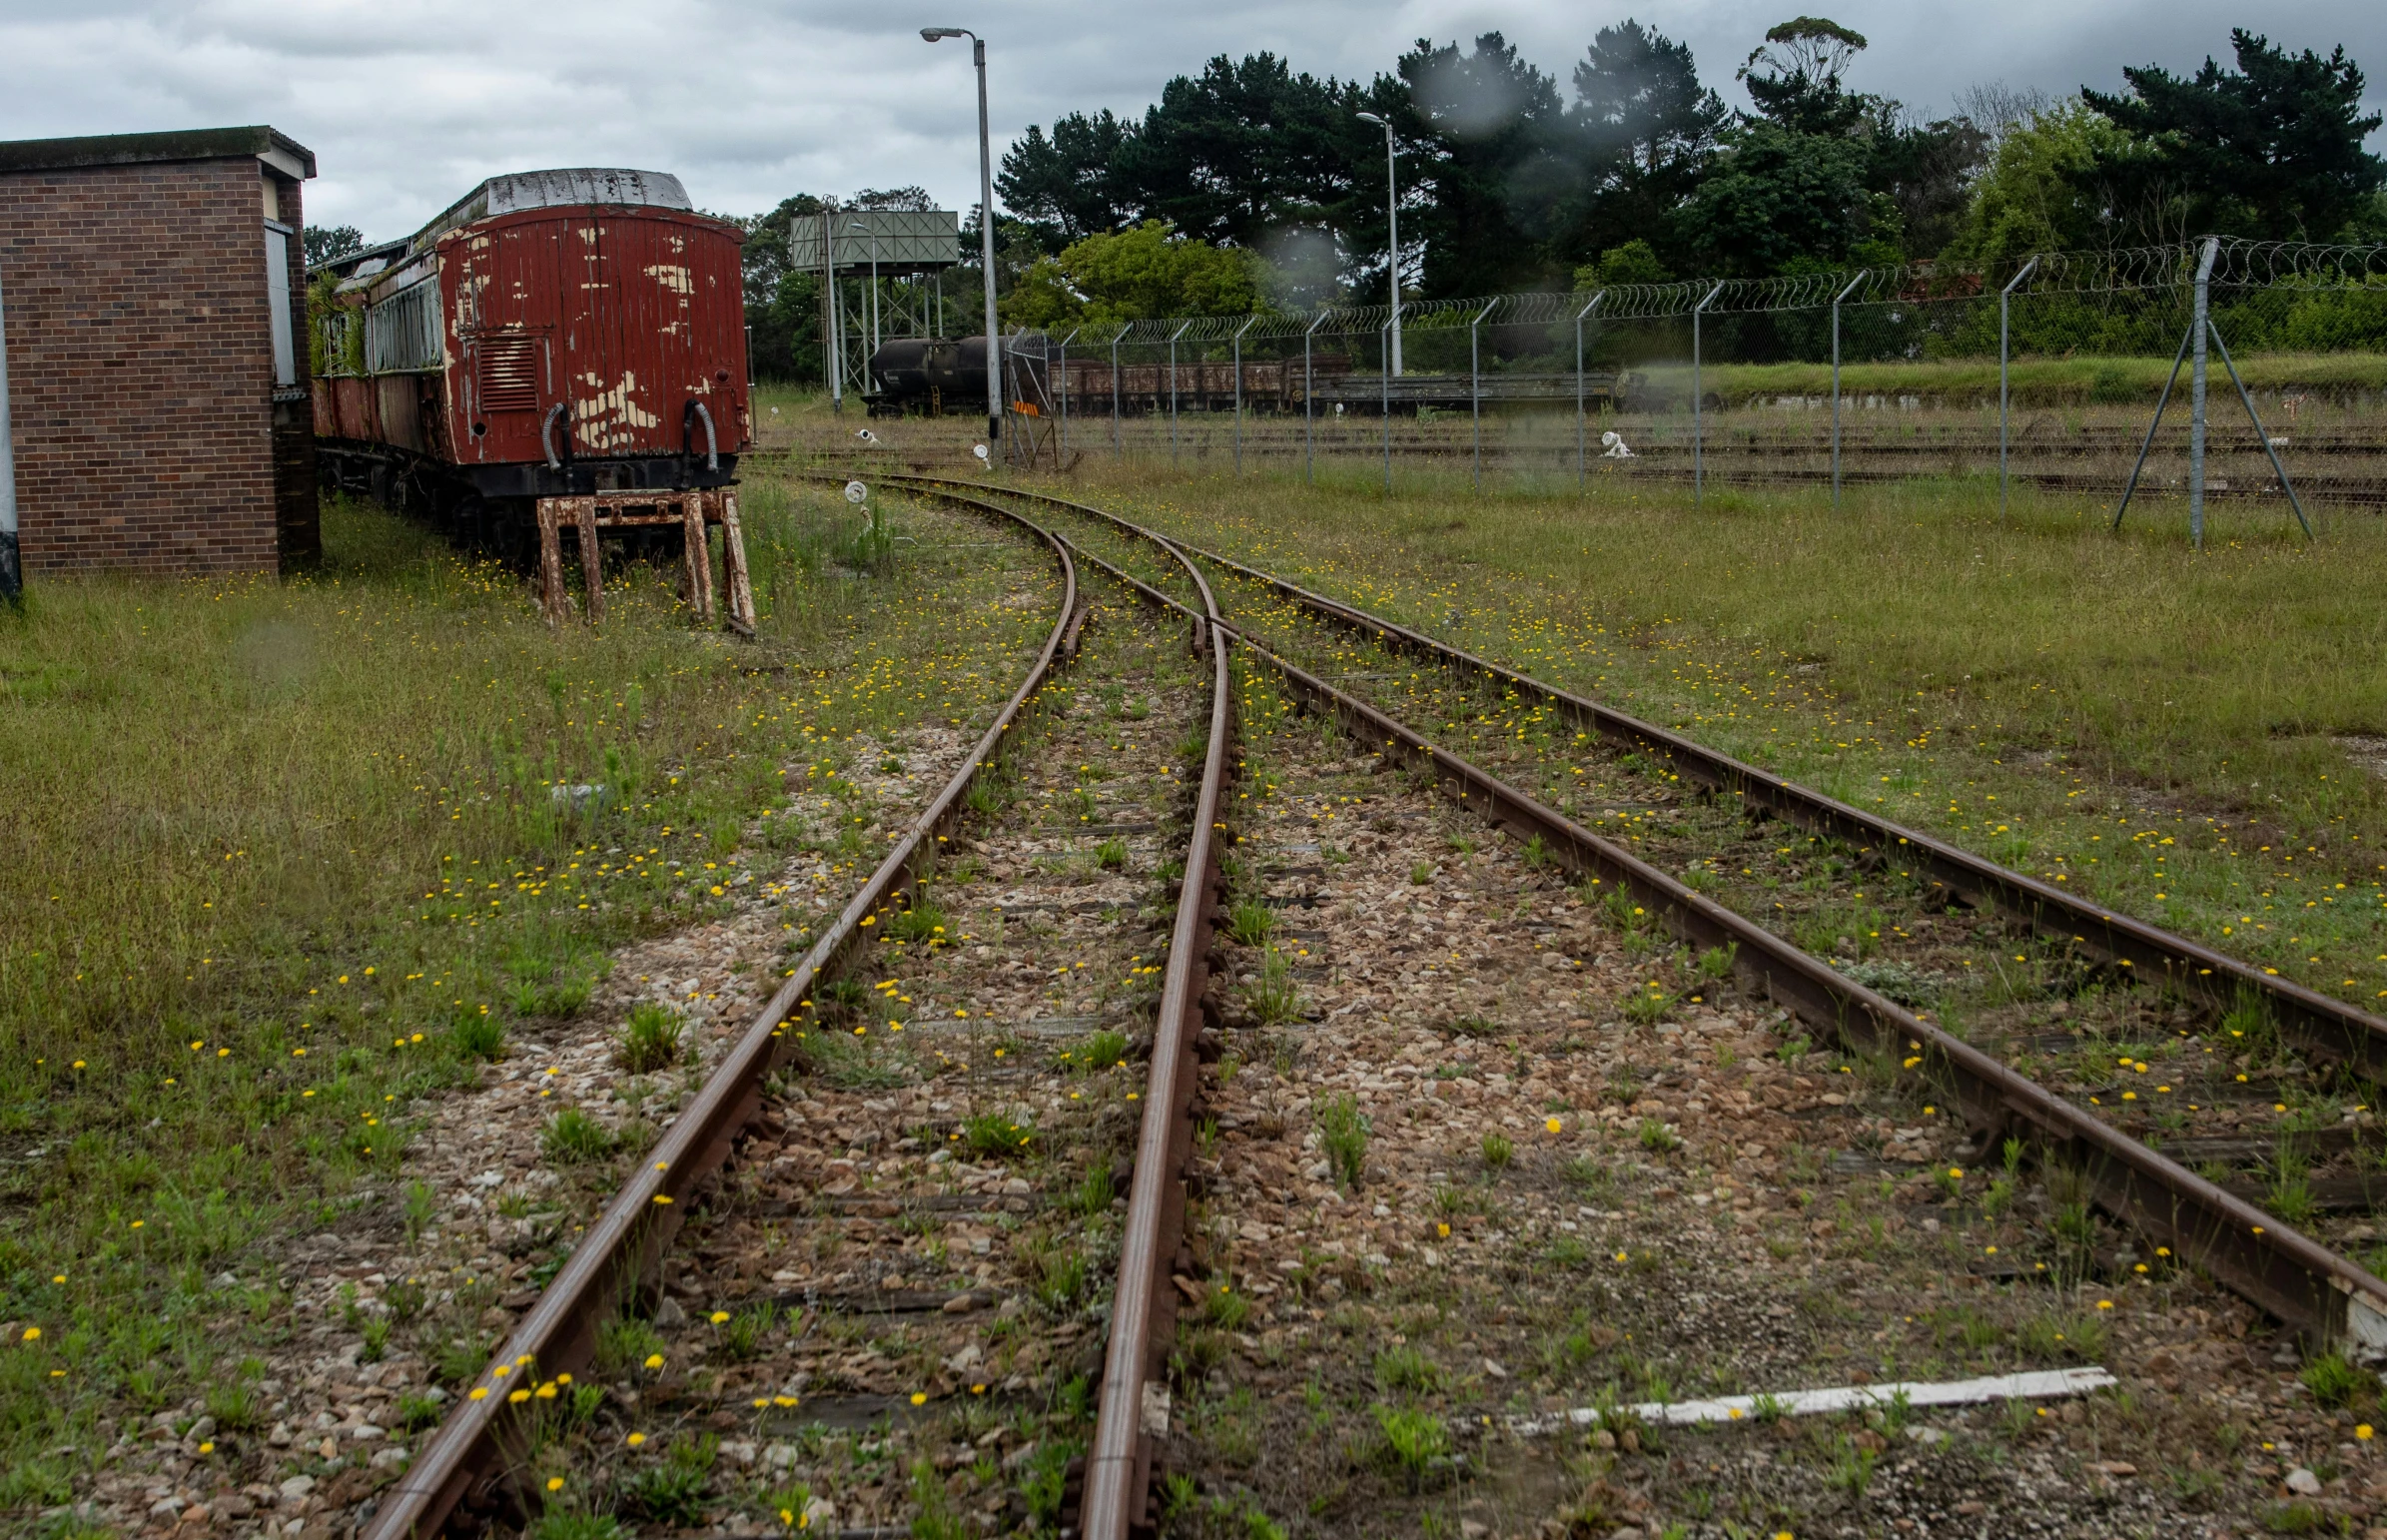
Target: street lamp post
[[1392, 227], [832, 310], [986, 221]]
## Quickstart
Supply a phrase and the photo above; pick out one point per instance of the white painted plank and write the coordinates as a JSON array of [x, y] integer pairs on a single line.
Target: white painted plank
[[2038, 1384]]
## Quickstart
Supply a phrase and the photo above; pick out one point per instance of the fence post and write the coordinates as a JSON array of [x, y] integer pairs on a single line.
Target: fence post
[[1308, 422], [2199, 326], [1475, 386], [1579, 430], [2261, 435], [2130, 488], [2004, 298], [1238, 394], [1173, 337], [1835, 298], [1115, 452], [1698, 410], [1064, 389]]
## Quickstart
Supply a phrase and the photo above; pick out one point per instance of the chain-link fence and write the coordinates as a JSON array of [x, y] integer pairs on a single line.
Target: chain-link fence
[[2045, 372]]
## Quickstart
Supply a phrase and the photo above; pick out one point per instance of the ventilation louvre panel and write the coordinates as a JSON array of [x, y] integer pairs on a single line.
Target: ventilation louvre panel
[[506, 374]]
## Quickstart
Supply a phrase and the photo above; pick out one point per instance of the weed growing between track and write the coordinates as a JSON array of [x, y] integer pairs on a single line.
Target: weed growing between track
[[2166, 731], [281, 859]]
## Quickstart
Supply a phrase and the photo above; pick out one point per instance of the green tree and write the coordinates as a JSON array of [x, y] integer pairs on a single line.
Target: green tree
[[783, 305], [1243, 151], [1492, 158], [1926, 171], [1777, 199], [1129, 275], [1072, 183], [331, 243], [2272, 150], [1795, 77], [1635, 262], [1647, 130], [2032, 196]]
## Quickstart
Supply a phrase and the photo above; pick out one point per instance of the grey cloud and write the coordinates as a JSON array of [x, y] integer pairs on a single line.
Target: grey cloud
[[407, 104]]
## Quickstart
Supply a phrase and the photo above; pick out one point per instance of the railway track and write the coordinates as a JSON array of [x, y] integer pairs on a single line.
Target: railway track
[[1025, 971], [1736, 466], [2088, 983], [963, 1186], [474, 1468]]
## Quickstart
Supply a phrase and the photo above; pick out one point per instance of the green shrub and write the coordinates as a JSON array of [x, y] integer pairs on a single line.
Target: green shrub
[[574, 1524], [624, 1343], [651, 1039], [1649, 1007], [674, 1492], [1103, 1051], [1342, 1136], [993, 1136], [572, 1137], [1407, 1370], [477, 1035], [2335, 1382], [741, 1335], [1273, 999], [1413, 1440], [921, 921]]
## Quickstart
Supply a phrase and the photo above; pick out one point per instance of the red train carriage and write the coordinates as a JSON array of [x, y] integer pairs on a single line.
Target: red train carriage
[[559, 348]]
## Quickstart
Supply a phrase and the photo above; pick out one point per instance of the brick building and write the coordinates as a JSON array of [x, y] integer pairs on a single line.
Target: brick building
[[154, 292]]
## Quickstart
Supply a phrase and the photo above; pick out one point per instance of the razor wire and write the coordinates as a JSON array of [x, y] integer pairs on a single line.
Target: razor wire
[[2036, 368], [2298, 265]]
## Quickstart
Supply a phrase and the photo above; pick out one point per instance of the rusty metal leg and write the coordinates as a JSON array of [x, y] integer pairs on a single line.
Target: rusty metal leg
[[551, 562], [592, 559], [699, 526], [696, 558], [733, 563]]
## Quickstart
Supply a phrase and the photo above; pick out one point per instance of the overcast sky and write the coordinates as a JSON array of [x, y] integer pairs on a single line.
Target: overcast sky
[[408, 103]]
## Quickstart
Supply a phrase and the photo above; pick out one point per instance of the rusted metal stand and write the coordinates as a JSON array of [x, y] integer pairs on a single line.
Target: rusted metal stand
[[552, 603], [693, 511], [733, 562], [696, 560], [592, 562]]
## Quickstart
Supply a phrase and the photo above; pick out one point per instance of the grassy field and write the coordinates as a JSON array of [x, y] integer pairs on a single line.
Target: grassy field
[[2181, 735], [281, 859], [2042, 382]]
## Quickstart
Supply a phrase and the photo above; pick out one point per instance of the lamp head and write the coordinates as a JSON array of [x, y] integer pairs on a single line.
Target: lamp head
[[937, 34], [1369, 117]]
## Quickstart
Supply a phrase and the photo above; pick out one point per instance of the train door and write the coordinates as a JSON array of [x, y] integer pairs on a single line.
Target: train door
[[670, 340], [505, 310], [609, 361]]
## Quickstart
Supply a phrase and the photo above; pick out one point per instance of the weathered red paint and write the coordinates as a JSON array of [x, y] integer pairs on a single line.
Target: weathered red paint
[[622, 314]]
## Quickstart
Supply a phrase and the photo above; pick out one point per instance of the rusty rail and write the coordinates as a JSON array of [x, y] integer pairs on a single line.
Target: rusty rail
[[465, 1463], [2318, 1293], [2303, 1284], [1128, 1417], [2327, 1028]]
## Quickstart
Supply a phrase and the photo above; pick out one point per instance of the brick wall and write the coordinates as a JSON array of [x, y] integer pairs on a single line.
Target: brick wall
[[141, 370]]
